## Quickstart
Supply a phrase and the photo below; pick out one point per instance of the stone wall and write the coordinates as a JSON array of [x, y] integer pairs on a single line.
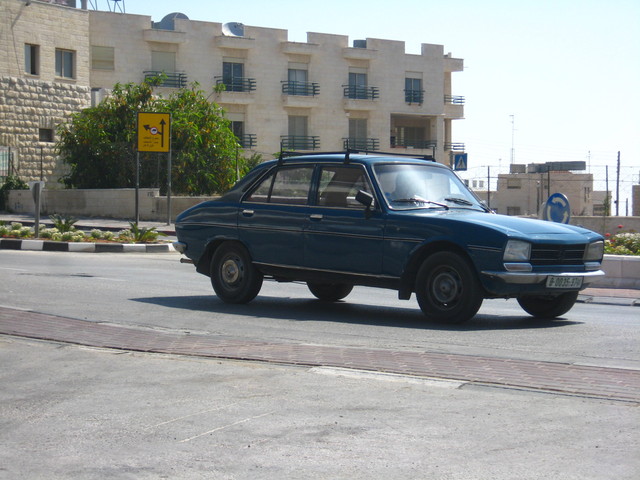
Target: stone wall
[[107, 203], [34, 100], [26, 107]]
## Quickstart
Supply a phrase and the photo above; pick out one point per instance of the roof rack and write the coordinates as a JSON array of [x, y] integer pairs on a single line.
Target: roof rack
[[284, 154]]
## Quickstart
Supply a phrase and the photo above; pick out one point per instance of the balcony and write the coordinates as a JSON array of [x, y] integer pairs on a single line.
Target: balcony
[[306, 89], [358, 92], [299, 142], [453, 100], [240, 84], [168, 79], [248, 140], [361, 143], [418, 144], [454, 147], [414, 97]]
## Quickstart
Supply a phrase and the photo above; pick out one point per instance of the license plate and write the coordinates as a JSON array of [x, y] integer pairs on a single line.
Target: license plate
[[564, 282]]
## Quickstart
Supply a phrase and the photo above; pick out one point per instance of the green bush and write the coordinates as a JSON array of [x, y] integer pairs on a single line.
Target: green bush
[[10, 183]]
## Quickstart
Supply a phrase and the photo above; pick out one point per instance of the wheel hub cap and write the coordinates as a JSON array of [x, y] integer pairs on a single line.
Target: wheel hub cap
[[445, 288], [230, 271]]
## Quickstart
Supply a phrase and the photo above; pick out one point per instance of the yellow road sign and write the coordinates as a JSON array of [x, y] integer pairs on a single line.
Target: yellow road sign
[[154, 132]]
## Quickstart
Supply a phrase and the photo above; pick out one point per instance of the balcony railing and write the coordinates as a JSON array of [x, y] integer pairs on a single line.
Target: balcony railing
[[359, 143], [240, 84], [453, 100], [169, 79], [298, 142], [414, 96], [454, 147], [307, 89], [248, 140], [357, 92], [421, 144]]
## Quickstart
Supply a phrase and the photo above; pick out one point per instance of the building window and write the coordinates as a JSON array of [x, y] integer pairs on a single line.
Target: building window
[[410, 137], [413, 92], [514, 183], [32, 59], [513, 211], [233, 76], [45, 135], [65, 63], [357, 85], [102, 58]]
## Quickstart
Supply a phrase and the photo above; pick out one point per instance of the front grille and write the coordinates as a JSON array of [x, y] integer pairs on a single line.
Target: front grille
[[557, 254]]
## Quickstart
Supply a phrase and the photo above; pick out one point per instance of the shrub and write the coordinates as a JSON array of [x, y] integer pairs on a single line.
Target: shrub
[[623, 244], [63, 223]]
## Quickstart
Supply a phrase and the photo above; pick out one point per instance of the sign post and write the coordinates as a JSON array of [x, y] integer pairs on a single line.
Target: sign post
[[154, 135], [460, 161]]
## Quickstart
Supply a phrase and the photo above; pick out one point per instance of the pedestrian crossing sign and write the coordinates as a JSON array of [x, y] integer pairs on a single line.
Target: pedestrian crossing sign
[[460, 161]]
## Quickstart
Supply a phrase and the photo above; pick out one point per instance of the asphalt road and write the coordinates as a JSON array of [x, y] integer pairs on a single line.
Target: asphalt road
[[77, 412], [157, 291]]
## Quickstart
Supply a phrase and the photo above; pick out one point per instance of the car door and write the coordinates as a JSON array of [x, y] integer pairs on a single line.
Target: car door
[[273, 215], [342, 236]]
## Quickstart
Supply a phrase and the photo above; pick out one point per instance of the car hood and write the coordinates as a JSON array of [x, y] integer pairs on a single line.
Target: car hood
[[519, 227]]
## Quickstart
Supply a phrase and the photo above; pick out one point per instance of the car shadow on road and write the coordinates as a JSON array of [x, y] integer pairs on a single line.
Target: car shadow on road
[[302, 310]]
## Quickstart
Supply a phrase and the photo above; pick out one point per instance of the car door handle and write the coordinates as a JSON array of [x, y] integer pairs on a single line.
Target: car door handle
[[248, 213], [316, 216]]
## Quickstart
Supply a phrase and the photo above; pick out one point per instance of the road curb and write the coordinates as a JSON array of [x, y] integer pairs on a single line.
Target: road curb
[[89, 247]]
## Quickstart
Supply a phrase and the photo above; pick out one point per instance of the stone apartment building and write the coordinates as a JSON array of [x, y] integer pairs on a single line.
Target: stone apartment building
[[319, 95]]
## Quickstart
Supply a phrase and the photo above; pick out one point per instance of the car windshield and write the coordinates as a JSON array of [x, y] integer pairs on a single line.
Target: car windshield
[[410, 186]]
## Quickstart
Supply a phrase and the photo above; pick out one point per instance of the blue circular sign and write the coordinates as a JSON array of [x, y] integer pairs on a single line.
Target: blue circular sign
[[557, 209]]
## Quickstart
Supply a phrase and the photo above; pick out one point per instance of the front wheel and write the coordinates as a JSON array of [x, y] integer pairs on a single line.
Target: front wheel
[[330, 292], [233, 277], [548, 306], [447, 289]]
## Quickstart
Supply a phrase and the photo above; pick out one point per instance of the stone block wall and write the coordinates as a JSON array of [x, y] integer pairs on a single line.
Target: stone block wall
[[27, 106]]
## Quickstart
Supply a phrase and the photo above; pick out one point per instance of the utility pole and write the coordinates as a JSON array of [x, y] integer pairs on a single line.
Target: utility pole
[[489, 187], [618, 187], [513, 129]]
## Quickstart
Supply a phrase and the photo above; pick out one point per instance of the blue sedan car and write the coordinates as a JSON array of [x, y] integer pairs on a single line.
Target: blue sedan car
[[408, 224]]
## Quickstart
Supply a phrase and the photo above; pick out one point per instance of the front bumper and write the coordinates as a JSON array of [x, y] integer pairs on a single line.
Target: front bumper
[[530, 278]]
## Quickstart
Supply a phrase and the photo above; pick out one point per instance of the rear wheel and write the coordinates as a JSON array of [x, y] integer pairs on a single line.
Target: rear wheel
[[330, 292], [548, 306], [447, 288], [233, 277]]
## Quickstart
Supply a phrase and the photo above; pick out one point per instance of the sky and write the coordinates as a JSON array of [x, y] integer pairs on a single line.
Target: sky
[[544, 80]]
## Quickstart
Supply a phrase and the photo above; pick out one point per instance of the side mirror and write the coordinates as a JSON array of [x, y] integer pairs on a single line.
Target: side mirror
[[365, 199]]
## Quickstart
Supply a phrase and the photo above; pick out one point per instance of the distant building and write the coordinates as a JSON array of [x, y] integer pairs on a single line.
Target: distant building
[[323, 94], [527, 187]]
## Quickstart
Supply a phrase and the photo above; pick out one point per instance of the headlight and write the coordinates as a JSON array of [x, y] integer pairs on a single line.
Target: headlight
[[594, 252], [517, 251]]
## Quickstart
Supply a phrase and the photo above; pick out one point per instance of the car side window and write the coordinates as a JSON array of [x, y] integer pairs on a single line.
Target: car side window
[[288, 185], [339, 186]]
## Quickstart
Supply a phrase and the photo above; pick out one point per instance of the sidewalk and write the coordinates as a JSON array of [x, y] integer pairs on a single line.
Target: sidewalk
[[598, 295]]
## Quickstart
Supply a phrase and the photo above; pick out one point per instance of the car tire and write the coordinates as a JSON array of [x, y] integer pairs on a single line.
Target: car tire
[[548, 306], [330, 292], [233, 276], [447, 289]]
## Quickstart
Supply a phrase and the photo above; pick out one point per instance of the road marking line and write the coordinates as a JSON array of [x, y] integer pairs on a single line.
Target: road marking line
[[389, 377], [226, 426]]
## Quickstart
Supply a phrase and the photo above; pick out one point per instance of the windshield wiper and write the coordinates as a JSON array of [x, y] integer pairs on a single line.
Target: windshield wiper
[[459, 201], [419, 200]]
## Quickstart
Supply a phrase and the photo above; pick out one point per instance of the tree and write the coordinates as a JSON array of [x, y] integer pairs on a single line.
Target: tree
[[99, 144]]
